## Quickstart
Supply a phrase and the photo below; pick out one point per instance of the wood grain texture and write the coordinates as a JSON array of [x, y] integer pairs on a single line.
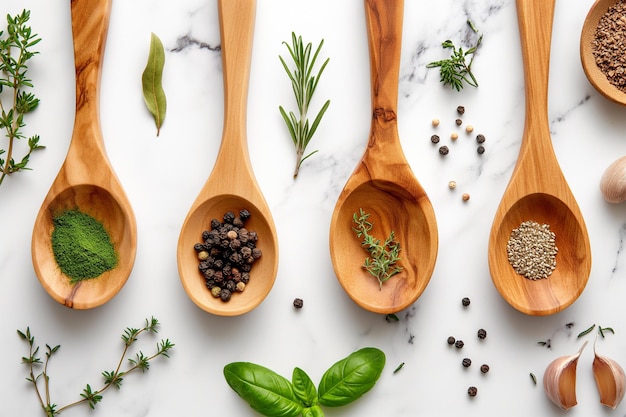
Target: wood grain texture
[[538, 190], [595, 76], [231, 185], [384, 185], [86, 180]]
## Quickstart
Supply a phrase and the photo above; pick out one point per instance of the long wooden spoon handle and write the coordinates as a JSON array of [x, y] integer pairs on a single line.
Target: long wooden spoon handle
[[90, 23], [384, 29], [535, 24], [236, 30]]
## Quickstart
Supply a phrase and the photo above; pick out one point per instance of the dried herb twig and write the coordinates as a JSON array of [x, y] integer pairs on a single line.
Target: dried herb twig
[[455, 71], [304, 85], [383, 259], [111, 378], [15, 52]]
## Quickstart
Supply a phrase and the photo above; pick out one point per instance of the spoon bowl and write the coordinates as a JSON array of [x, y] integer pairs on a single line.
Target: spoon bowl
[[537, 190], [231, 185], [595, 76], [384, 186], [86, 180]]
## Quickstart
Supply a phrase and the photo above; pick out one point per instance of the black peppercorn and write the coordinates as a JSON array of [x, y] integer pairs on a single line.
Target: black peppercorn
[[215, 224], [459, 344], [467, 362], [443, 150], [451, 340], [298, 303], [460, 109], [480, 138], [244, 214], [434, 138], [465, 301], [458, 122], [484, 368], [482, 333], [225, 294], [229, 216], [480, 150], [238, 222], [472, 391]]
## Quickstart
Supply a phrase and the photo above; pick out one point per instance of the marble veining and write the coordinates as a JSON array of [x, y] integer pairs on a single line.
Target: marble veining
[[163, 175]]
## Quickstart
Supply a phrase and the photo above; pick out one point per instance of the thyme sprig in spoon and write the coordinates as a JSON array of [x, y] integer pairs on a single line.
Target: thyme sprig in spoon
[[304, 84]]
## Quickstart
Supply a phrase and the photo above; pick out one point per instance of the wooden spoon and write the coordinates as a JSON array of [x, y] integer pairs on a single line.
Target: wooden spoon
[[538, 190], [384, 186], [86, 180], [231, 185], [587, 38]]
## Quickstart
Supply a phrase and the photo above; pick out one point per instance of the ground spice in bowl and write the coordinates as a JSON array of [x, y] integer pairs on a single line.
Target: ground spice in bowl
[[81, 245], [608, 45]]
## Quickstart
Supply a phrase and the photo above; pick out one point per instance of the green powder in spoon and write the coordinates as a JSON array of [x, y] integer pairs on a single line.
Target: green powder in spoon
[[81, 245]]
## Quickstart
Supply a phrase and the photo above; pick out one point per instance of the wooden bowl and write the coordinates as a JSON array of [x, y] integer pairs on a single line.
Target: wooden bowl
[[595, 76]]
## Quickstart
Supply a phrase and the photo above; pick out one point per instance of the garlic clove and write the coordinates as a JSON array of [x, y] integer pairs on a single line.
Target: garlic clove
[[613, 182], [559, 380], [610, 380]]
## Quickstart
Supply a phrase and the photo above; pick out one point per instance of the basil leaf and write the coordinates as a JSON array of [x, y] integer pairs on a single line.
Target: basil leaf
[[267, 392], [303, 387], [350, 378], [153, 93], [314, 411]]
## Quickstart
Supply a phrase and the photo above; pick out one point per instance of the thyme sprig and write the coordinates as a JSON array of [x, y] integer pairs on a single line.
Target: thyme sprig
[[15, 52], [383, 257], [111, 378], [456, 70], [303, 83]]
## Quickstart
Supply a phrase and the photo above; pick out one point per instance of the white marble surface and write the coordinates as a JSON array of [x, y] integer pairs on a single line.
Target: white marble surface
[[163, 175]]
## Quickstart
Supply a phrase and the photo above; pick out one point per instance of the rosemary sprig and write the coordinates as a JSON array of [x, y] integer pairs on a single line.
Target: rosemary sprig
[[383, 259], [15, 52], [455, 71], [111, 378], [304, 85]]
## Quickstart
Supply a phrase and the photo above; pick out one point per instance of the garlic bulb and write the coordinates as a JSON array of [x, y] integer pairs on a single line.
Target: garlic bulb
[[559, 380], [610, 378], [613, 182]]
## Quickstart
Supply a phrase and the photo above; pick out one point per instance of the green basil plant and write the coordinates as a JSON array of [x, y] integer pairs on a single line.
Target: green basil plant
[[275, 396]]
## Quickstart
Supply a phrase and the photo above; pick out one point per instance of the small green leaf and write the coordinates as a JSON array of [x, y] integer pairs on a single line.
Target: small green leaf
[[153, 93], [264, 390], [303, 387], [350, 378]]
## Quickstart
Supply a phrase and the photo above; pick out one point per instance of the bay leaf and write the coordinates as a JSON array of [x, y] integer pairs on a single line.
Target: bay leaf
[[152, 77]]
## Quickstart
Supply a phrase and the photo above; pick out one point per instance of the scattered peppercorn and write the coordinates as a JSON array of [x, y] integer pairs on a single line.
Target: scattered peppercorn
[[458, 122], [451, 340], [460, 109], [298, 303], [472, 391], [434, 138], [484, 368], [466, 362], [452, 185], [480, 149], [459, 344], [226, 255], [465, 301], [469, 128], [435, 122], [482, 333], [465, 197], [443, 150], [454, 136], [480, 138]]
